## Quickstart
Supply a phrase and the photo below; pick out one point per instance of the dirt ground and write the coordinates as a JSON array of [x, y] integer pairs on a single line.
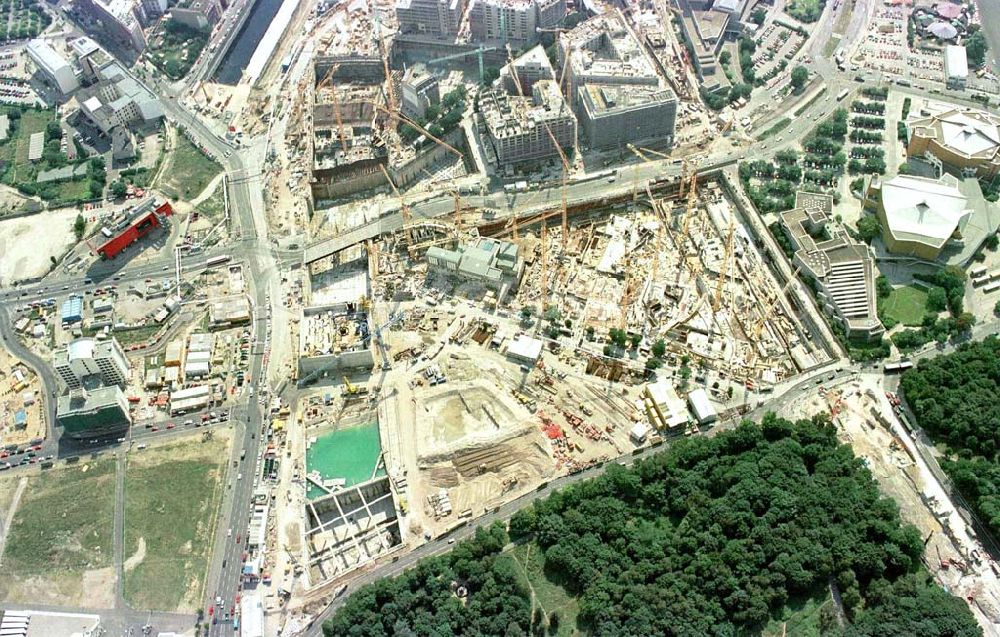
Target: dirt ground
[[12, 393], [21, 237]]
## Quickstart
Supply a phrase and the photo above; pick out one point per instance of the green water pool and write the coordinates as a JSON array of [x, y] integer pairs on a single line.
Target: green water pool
[[350, 453]]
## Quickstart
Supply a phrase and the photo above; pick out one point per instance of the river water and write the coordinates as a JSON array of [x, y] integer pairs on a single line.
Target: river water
[[236, 60]]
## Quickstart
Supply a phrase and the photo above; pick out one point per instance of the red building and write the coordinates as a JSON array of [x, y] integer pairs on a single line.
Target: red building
[[132, 226]]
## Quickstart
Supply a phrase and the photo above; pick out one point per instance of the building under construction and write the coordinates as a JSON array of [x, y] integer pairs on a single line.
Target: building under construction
[[526, 129], [614, 87]]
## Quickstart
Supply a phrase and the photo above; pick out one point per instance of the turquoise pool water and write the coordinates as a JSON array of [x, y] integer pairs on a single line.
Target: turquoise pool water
[[350, 453]]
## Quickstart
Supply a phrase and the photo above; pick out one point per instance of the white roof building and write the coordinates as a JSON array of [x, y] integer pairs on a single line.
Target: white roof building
[[956, 64], [702, 408], [924, 210], [36, 145], [56, 69], [525, 349]]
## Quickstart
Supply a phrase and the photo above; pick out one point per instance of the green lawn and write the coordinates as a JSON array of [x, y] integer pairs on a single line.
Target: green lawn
[[172, 497], [906, 304], [549, 595], [799, 618], [63, 527], [19, 171], [187, 171]]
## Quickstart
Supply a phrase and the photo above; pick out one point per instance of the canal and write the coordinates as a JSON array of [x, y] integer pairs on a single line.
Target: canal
[[231, 69]]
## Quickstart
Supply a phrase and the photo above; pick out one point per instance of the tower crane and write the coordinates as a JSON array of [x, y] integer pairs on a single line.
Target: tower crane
[[404, 208], [726, 264], [328, 81], [477, 52], [555, 142]]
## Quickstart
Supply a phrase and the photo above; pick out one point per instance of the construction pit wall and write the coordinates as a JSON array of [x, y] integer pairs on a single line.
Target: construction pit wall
[[349, 528], [335, 328], [354, 143]]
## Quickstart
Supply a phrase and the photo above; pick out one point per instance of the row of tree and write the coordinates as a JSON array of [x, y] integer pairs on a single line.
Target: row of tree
[[712, 537], [954, 399]]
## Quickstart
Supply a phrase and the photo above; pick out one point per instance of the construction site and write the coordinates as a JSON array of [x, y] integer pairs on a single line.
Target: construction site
[[508, 351]]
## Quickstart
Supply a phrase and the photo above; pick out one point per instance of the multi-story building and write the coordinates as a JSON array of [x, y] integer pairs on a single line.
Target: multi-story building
[[844, 270], [88, 357], [122, 20], [86, 413], [118, 99], [527, 69], [965, 141], [550, 13], [523, 129], [53, 66], [436, 18], [198, 14], [613, 85], [420, 89], [615, 115], [504, 21]]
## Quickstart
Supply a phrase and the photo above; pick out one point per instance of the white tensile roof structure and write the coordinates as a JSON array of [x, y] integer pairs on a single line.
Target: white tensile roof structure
[[924, 210]]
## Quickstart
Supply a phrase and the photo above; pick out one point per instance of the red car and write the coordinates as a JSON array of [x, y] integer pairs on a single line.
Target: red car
[[4, 454], [37, 448], [155, 429], [238, 536], [171, 426]]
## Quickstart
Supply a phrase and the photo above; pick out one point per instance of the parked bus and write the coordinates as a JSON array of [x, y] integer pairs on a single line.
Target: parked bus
[[975, 273], [841, 95]]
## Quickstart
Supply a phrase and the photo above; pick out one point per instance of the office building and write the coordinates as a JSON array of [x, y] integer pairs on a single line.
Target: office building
[[88, 357], [511, 22], [56, 69], [86, 413], [435, 18], [613, 85], [198, 14], [844, 270], [420, 89], [118, 99], [121, 20]]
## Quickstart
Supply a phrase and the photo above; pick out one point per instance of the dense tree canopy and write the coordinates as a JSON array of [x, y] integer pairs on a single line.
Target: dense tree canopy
[[954, 399], [711, 537]]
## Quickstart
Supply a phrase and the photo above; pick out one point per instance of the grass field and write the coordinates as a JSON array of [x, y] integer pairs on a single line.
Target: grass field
[[187, 171], [549, 595], [62, 528], [799, 618], [15, 149], [172, 497], [907, 305], [781, 123], [137, 334], [805, 10], [214, 207]]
